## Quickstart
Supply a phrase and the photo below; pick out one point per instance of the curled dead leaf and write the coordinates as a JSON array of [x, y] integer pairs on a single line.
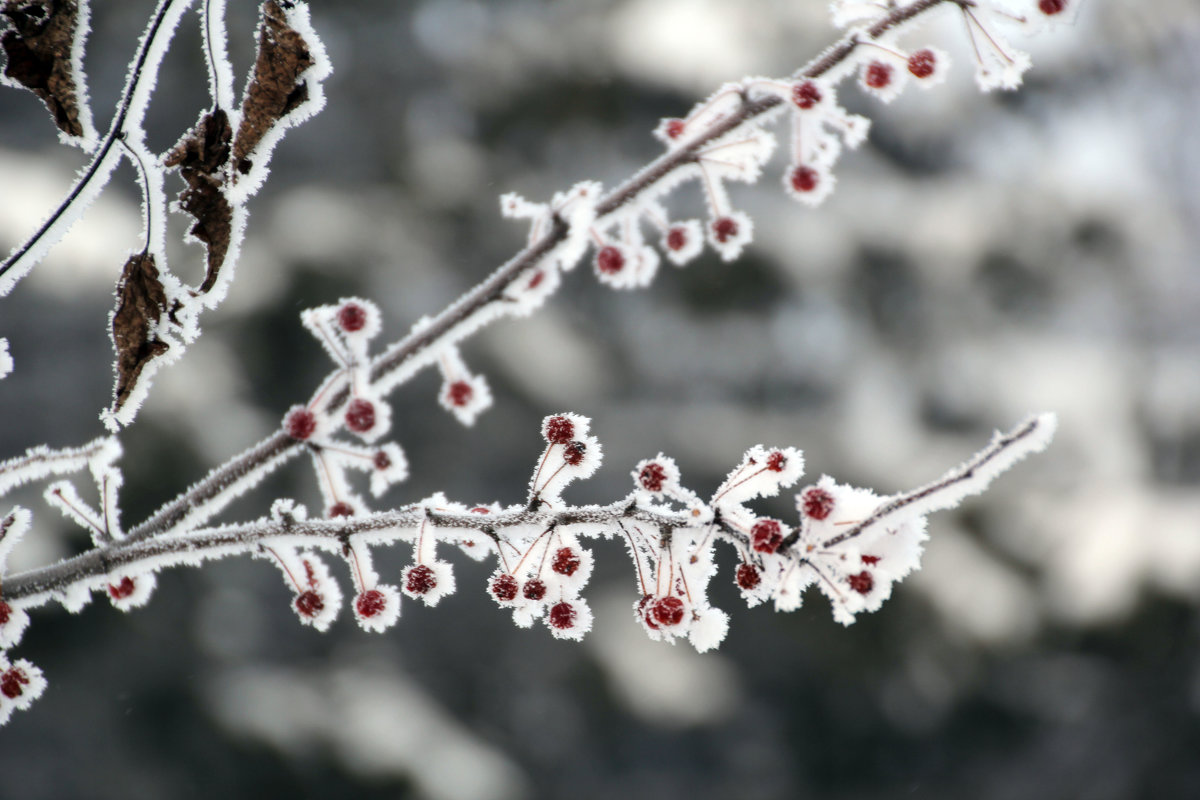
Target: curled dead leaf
[[38, 45], [141, 308], [275, 89], [201, 157]]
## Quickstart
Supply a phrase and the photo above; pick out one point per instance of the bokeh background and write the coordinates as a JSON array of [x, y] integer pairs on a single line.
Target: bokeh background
[[983, 257]]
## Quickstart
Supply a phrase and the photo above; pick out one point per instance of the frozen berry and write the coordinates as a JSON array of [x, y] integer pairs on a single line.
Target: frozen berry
[[1052, 7], [725, 228], [766, 536], [122, 589], [360, 415], [610, 260], [878, 75], [352, 317], [340, 509], [862, 583], [562, 616], [5, 612], [674, 128], [748, 577], [381, 460], [668, 611], [805, 179], [559, 430], [460, 393], [677, 238], [420, 580], [300, 424], [535, 589], [806, 95], [12, 682], [310, 604], [652, 477], [370, 603], [504, 588], [574, 453], [922, 63], [566, 561], [816, 503]]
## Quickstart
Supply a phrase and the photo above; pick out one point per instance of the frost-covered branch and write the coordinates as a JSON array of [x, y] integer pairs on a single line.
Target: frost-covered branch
[[852, 544]]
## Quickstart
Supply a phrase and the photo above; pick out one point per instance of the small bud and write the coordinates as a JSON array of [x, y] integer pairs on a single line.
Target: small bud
[[300, 423]]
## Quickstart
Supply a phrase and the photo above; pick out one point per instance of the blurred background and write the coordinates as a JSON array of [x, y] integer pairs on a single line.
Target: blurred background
[[983, 257]]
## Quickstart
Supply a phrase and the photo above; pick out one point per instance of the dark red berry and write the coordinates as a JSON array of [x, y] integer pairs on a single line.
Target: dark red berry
[[766, 536], [11, 682], [566, 561], [1052, 7], [562, 616], [922, 63], [310, 604], [381, 460], [352, 317], [806, 95], [460, 393], [776, 461], [559, 430], [652, 477], [725, 228], [504, 588], [816, 503], [5, 612], [341, 509], [420, 580], [360, 415], [870, 560], [370, 603], [646, 614], [535, 589], [610, 260], [748, 577], [300, 424], [122, 589], [862, 583], [677, 238], [879, 75], [805, 179], [668, 611], [675, 128], [574, 453]]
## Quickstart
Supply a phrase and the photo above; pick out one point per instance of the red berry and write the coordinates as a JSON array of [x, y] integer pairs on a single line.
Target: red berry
[[748, 577], [381, 460], [1052, 7], [677, 238], [341, 509], [352, 317], [535, 589], [504, 588], [805, 179], [922, 63], [645, 614], [668, 611], [559, 430], [11, 682], [566, 561], [310, 604], [675, 128], [806, 95], [300, 424], [862, 583], [420, 580], [725, 228], [460, 393], [776, 461], [536, 280], [879, 75], [574, 453], [360, 415], [5, 612], [370, 603], [652, 477], [766, 536], [562, 616], [870, 560], [610, 260], [124, 588], [816, 503]]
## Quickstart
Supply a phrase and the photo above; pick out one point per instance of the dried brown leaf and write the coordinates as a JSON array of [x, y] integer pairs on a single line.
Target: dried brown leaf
[[276, 88], [38, 46], [201, 157], [141, 306]]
